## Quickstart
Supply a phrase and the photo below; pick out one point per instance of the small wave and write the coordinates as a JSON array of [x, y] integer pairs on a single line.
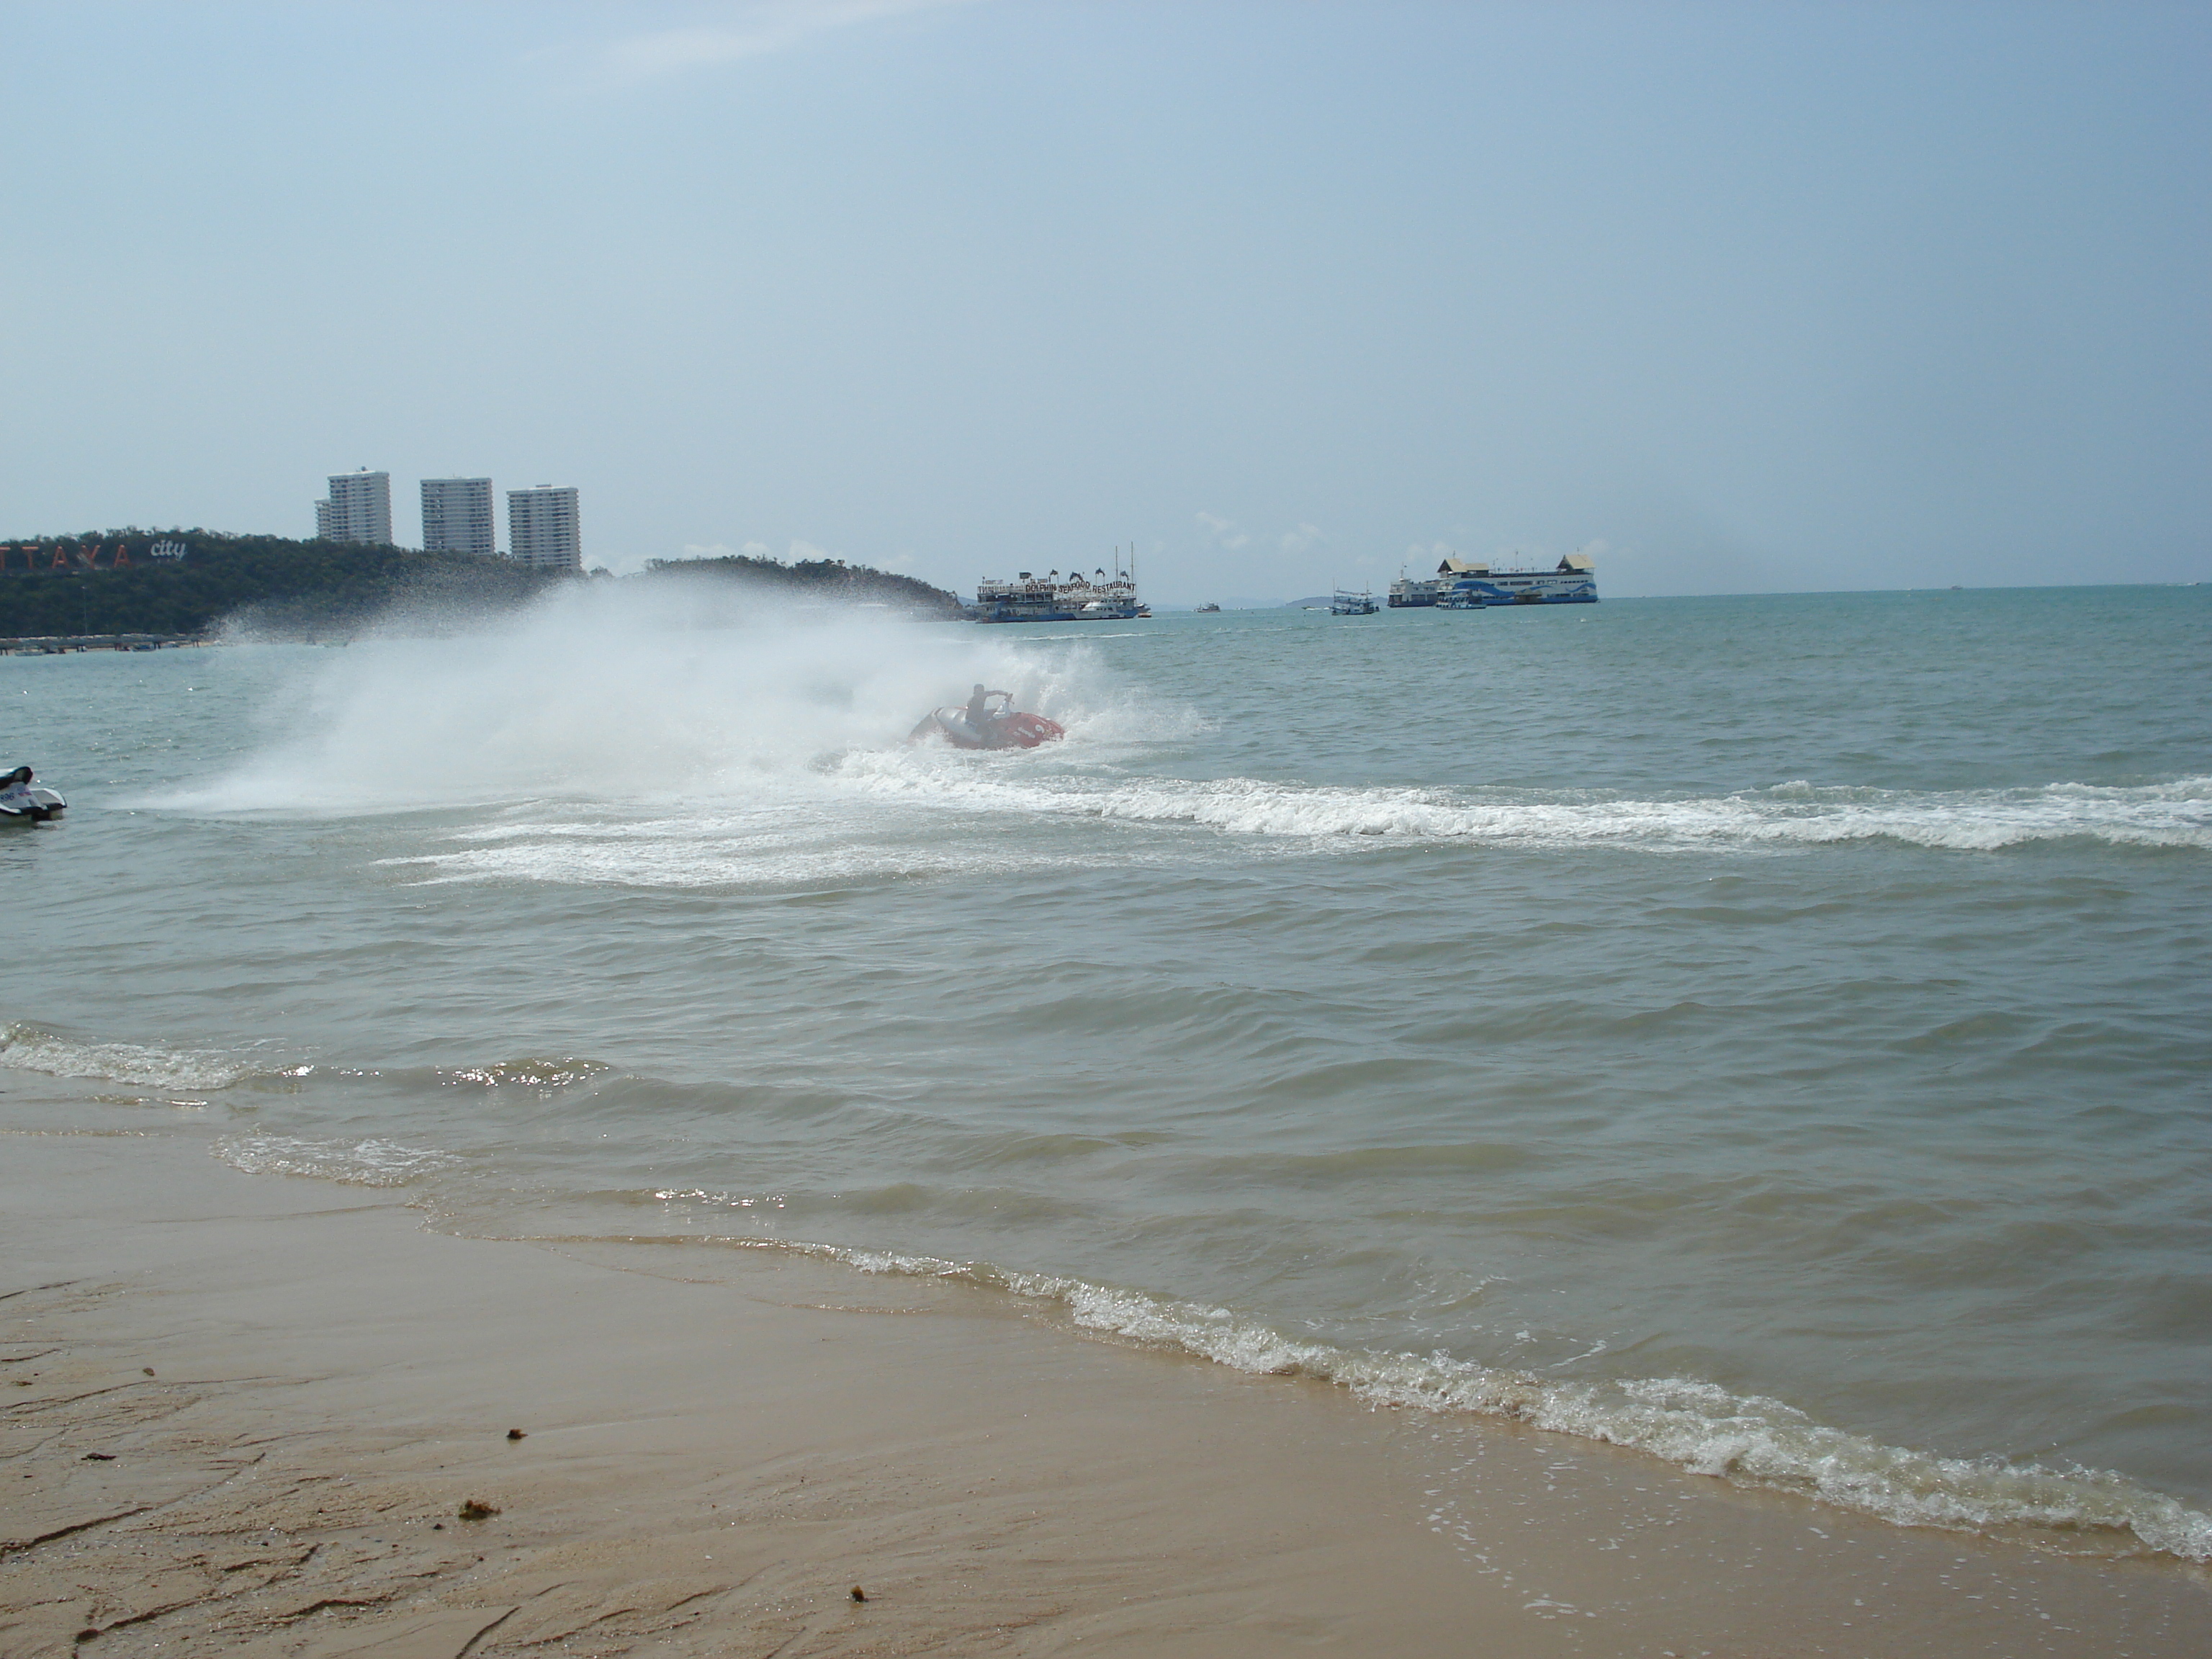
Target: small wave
[[26, 1049], [2178, 813], [1696, 1426], [358, 1163], [2167, 815]]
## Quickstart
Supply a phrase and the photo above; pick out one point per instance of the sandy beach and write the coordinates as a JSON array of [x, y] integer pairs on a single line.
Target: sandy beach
[[272, 1416]]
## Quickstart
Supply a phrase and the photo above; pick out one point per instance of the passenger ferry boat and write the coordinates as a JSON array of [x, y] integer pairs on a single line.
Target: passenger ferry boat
[[1344, 602], [1053, 597], [1473, 584]]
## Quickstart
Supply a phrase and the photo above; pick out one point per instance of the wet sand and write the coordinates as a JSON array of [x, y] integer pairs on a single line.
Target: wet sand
[[246, 1414]]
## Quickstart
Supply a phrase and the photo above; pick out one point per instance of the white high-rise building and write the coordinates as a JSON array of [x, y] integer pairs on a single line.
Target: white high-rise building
[[456, 516], [359, 509], [541, 528]]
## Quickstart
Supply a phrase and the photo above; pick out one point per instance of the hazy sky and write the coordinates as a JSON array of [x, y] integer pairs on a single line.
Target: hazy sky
[[1758, 296]]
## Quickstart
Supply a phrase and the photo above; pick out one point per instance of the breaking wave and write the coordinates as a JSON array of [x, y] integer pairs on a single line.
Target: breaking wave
[[1697, 1427], [372, 1163], [27, 1049]]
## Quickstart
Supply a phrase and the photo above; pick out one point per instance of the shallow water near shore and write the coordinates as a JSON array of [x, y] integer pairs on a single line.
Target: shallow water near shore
[[1771, 1032]]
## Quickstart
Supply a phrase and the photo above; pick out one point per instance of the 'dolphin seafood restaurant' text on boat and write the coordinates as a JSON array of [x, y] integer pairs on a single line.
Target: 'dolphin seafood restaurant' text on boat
[[1475, 584], [1099, 597]]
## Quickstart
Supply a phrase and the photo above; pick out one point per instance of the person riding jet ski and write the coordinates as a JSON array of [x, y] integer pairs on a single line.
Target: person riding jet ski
[[989, 720], [979, 715]]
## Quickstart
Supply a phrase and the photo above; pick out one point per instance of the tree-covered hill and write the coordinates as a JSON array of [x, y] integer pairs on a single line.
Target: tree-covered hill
[[192, 581], [115, 582], [825, 579]]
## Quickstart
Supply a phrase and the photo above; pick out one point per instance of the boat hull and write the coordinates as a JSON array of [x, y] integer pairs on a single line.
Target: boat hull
[[1518, 588], [37, 805], [1019, 730]]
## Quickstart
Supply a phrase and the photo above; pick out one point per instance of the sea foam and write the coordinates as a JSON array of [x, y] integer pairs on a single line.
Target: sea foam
[[28, 1049], [2174, 814], [1697, 1427], [374, 1162]]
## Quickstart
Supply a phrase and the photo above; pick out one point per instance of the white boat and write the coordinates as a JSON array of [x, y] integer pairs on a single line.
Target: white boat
[[1053, 597], [1345, 604], [22, 801], [1474, 585]]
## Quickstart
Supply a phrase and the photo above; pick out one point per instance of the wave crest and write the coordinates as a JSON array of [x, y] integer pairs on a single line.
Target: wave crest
[[2177, 814], [28, 1049], [372, 1163], [1697, 1427]]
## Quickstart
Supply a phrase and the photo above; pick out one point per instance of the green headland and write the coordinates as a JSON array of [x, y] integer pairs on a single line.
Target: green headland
[[191, 583]]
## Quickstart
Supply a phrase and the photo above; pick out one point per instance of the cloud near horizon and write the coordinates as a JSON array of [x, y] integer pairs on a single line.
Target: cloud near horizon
[[1225, 532], [753, 30]]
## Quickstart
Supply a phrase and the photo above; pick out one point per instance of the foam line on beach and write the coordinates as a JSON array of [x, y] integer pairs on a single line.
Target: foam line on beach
[[1694, 1424], [1697, 1427], [30, 1048], [374, 1162]]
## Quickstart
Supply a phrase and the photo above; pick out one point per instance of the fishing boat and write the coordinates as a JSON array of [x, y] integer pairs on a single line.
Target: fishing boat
[[1346, 604]]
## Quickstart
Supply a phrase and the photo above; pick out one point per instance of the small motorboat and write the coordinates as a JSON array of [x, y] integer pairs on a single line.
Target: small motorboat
[[1002, 726], [22, 801]]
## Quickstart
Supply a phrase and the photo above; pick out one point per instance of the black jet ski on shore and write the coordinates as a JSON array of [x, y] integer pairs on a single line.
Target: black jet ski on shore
[[25, 801]]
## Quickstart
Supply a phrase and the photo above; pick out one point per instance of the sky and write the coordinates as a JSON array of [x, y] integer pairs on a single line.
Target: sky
[[1281, 296]]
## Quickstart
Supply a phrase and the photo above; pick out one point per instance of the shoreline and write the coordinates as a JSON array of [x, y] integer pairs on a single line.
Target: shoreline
[[248, 1411]]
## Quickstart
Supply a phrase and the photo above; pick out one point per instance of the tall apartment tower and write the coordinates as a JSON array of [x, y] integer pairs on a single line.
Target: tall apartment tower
[[359, 509], [456, 516], [541, 528]]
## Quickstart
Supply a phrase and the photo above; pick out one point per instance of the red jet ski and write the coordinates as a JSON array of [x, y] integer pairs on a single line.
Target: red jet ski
[[1002, 727]]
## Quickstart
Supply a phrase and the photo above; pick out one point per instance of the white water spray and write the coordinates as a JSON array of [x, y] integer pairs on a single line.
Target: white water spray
[[647, 692]]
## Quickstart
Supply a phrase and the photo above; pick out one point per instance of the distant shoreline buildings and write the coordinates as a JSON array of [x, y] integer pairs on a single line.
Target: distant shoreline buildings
[[358, 510], [543, 528], [456, 516]]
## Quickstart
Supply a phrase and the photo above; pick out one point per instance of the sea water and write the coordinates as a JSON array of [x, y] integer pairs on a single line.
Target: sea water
[[1770, 1032]]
